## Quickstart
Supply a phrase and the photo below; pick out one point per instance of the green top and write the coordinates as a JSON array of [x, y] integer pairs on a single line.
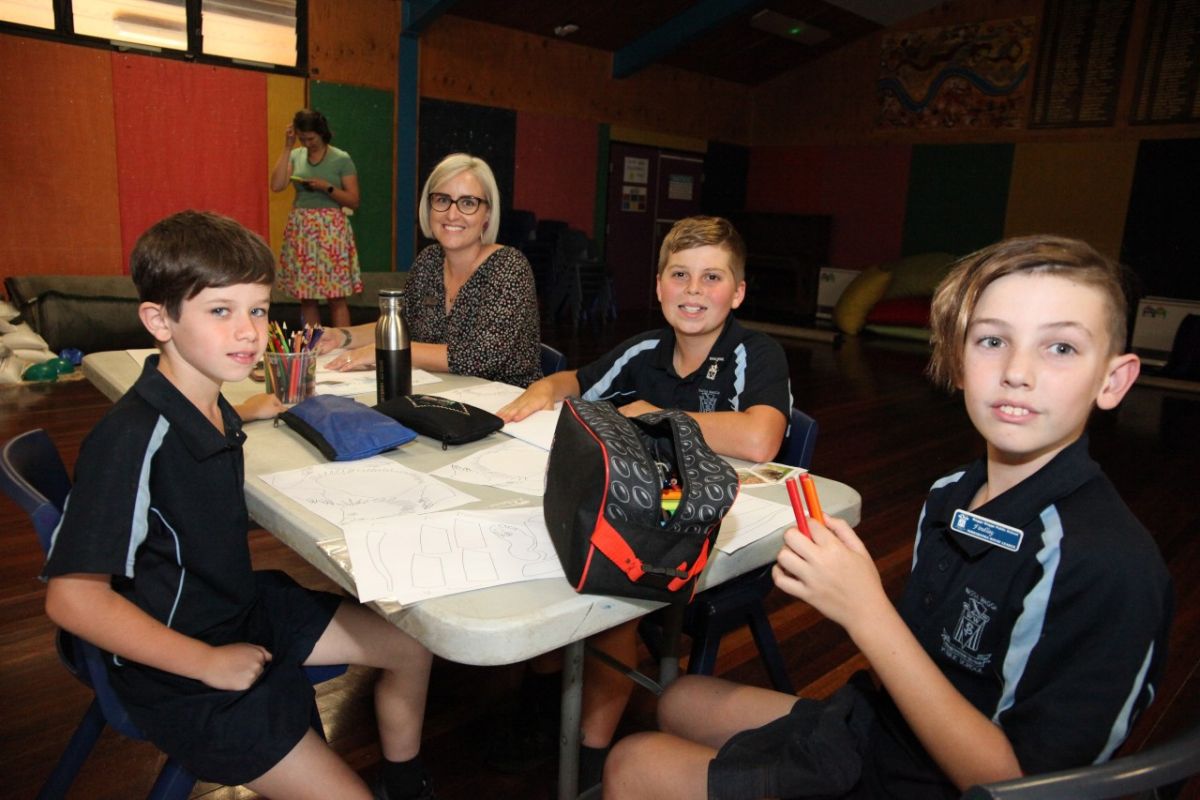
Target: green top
[[333, 167]]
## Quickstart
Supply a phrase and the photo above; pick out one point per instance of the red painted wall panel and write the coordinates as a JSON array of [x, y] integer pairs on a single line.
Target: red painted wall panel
[[555, 173], [58, 213], [863, 187], [188, 136]]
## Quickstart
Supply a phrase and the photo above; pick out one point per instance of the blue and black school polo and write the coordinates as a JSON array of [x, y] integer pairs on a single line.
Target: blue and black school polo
[[744, 368], [1048, 608]]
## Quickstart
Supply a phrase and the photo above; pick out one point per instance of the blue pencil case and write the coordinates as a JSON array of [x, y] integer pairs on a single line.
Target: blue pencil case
[[344, 430]]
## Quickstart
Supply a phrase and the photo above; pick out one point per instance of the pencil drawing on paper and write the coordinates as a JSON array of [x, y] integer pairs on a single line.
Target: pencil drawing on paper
[[449, 552], [371, 489], [511, 464]]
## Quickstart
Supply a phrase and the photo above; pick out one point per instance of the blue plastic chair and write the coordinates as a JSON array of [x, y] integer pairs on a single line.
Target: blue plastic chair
[[552, 360], [725, 608], [33, 475]]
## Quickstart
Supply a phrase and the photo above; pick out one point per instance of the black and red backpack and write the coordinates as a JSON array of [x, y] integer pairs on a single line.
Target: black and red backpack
[[604, 500]]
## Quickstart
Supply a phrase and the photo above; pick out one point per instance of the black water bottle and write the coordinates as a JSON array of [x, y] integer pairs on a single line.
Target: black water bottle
[[393, 355]]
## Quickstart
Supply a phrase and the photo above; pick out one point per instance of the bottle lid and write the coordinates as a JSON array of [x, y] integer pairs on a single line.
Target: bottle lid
[[391, 292]]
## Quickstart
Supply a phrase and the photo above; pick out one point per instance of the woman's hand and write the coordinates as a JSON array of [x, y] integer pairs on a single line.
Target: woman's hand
[[289, 136], [320, 185], [360, 358], [234, 667]]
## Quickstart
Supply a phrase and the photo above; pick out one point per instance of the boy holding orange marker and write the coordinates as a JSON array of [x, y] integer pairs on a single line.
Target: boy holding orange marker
[[1033, 628]]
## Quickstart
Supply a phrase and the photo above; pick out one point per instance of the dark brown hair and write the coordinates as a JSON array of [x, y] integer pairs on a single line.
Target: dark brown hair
[[186, 253], [311, 121]]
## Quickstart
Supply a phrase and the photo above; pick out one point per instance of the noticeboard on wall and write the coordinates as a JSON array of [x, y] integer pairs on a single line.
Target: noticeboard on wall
[[1081, 58], [1168, 85]]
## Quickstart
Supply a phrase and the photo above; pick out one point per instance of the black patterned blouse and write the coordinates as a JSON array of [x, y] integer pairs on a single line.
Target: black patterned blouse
[[492, 331]]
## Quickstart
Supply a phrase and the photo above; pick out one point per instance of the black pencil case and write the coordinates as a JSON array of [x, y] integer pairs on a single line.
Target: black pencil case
[[448, 421], [345, 430]]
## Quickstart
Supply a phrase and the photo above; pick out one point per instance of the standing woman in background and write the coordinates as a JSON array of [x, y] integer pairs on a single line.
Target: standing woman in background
[[318, 258]]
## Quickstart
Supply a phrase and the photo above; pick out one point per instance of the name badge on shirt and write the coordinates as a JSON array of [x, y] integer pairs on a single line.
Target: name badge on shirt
[[986, 530]]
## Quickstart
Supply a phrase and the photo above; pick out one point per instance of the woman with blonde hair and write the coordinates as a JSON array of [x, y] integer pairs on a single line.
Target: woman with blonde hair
[[470, 304]]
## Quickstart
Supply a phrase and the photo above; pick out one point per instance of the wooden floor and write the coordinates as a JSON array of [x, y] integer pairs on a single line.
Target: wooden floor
[[884, 430]]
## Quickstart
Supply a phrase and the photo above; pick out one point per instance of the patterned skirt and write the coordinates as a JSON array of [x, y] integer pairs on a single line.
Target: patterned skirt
[[318, 258]]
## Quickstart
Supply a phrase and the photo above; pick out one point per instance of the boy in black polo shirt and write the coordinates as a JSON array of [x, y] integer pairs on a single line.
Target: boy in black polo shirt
[[1034, 624], [151, 563], [732, 381]]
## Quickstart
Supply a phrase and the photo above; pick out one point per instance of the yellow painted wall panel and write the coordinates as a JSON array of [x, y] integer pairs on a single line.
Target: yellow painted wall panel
[[1078, 189], [61, 138], [285, 96]]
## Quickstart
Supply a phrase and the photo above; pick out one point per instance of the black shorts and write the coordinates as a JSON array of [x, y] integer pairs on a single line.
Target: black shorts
[[814, 751], [234, 737]]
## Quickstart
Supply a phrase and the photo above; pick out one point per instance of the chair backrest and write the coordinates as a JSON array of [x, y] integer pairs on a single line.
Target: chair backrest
[[33, 475], [798, 446], [552, 360], [1135, 775]]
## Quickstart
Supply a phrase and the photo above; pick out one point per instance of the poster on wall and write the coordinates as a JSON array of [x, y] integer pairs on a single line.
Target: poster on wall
[[1168, 85], [637, 170], [680, 187], [960, 76], [633, 198], [1080, 61]]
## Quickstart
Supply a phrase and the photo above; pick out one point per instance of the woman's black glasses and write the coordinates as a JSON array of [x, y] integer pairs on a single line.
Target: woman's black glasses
[[467, 204]]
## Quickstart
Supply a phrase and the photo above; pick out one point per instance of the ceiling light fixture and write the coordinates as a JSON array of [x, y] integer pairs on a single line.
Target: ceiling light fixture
[[565, 29], [788, 27]]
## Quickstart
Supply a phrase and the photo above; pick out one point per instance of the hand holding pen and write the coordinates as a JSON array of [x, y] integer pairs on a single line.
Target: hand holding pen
[[834, 572], [809, 487]]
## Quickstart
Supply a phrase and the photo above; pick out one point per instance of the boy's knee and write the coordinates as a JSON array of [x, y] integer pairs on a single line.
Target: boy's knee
[[676, 704], [623, 758]]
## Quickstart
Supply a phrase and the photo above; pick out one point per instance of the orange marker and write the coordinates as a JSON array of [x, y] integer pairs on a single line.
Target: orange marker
[[810, 496], [797, 508]]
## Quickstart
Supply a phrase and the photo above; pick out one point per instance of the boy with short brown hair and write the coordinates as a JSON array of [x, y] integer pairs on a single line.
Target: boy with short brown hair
[[151, 563]]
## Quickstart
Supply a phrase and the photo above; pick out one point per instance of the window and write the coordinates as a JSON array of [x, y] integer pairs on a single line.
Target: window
[[259, 32], [155, 23], [37, 13], [252, 30]]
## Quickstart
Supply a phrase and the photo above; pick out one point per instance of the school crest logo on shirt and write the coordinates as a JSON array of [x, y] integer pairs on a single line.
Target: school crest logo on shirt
[[708, 399], [962, 645], [714, 366]]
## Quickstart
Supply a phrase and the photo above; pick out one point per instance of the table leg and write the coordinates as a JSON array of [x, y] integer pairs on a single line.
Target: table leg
[[668, 658], [572, 711]]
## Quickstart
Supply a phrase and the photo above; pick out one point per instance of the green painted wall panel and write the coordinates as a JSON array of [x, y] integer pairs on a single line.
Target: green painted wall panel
[[361, 121], [957, 197]]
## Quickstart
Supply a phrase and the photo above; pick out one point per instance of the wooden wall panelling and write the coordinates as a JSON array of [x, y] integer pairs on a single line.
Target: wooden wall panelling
[[473, 62], [863, 187], [555, 170], [957, 197], [285, 96], [361, 120], [60, 214], [1078, 189], [354, 42], [188, 136]]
